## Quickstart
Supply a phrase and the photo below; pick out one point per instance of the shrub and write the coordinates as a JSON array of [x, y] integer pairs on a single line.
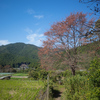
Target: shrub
[[42, 74], [14, 70], [82, 73], [67, 73], [94, 76], [77, 88], [94, 72], [84, 85], [34, 75]]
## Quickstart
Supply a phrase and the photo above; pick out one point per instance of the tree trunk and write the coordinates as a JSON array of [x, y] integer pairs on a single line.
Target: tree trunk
[[73, 70]]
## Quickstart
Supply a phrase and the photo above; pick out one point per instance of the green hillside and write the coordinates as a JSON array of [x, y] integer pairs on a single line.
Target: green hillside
[[85, 54], [18, 53]]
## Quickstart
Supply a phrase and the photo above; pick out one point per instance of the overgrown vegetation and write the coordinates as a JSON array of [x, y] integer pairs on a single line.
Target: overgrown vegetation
[[42, 74], [84, 86]]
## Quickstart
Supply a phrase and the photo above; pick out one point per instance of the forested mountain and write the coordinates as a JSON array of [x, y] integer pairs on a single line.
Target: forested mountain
[[18, 53]]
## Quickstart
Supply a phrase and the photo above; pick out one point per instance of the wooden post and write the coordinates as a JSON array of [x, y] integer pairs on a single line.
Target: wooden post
[[48, 87]]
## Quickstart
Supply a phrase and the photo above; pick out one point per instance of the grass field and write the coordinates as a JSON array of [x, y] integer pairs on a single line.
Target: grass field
[[20, 74], [19, 89]]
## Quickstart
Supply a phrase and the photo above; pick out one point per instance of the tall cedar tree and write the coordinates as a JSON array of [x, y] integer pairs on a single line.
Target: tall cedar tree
[[62, 40]]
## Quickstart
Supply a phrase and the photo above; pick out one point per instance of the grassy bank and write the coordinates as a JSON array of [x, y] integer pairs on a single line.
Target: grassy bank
[[20, 74], [19, 89]]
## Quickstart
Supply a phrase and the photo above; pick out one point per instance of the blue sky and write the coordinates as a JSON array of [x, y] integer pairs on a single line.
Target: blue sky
[[26, 20]]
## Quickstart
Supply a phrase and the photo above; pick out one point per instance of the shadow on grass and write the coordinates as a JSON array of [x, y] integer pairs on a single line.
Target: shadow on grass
[[56, 93]]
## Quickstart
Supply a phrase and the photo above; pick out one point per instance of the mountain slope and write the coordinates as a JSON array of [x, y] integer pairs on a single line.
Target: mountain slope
[[85, 54], [17, 53]]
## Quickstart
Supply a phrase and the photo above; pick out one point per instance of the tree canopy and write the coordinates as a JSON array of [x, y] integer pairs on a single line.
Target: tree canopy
[[62, 40]]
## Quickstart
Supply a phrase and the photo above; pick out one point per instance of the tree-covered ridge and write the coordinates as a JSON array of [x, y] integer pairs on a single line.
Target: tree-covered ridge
[[18, 53]]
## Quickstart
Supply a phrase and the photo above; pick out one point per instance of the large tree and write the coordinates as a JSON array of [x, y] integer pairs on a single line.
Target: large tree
[[62, 40]]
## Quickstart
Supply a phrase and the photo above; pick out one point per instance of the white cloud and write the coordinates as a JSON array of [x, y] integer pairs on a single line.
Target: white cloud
[[31, 37], [38, 30], [30, 11], [38, 16], [35, 37], [4, 42], [29, 31], [41, 35]]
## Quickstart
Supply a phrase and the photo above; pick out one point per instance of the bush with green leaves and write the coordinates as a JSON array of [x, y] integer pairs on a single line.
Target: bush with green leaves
[[34, 74], [84, 85], [78, 88], [94, 76], [67, 73], [81, 73], [94, 72], [42, 74]]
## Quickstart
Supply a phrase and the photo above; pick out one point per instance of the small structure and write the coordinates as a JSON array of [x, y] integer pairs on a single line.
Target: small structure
[[24, 66]]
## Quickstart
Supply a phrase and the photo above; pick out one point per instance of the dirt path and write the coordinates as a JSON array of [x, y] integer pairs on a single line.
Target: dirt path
[[58, 93], [20, 76]]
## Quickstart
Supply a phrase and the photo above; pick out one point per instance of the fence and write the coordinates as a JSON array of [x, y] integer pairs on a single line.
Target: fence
[[44, 94]]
